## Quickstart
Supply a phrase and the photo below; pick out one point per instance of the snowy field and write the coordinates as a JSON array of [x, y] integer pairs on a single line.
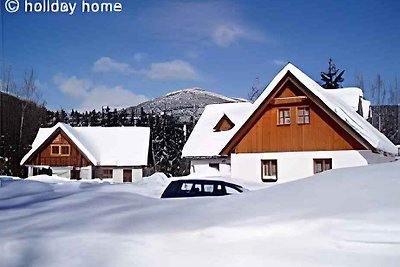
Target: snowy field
[[345, 217]]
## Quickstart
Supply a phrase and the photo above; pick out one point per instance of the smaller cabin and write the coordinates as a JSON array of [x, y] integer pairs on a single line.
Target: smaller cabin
[[117, 153], [215, 128]]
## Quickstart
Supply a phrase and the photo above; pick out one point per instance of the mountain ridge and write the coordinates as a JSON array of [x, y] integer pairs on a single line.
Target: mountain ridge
[[186, 103]]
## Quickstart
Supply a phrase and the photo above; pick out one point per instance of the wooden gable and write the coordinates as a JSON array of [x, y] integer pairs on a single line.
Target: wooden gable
[[224, 124], [263, 132], [54, 152]]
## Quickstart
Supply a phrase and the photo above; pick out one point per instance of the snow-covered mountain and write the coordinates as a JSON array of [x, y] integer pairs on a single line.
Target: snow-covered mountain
[[183, 103]]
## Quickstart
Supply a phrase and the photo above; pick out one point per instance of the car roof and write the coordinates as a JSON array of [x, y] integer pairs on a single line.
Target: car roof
[[205, 181]]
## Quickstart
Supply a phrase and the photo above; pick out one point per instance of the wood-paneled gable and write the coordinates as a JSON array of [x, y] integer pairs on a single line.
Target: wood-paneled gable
[[44, 155], [224, 124], [263, 133]]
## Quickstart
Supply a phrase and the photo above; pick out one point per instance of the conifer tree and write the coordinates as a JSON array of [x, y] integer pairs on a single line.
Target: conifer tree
[[331, 79]]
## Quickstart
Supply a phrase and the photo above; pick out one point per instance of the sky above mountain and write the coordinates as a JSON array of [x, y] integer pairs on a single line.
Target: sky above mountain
[[84, 61]]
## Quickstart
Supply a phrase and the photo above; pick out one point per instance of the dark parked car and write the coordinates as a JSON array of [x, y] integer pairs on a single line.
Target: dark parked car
[[200, 188]]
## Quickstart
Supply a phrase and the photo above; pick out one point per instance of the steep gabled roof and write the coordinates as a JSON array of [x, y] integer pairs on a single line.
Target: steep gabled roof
[[103, 146], [204, 141], [340, 110]]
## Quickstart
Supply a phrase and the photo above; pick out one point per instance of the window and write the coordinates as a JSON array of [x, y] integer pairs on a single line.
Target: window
[[303, 115], [60, 150], [55, 150], [284, 116], [269, 170], [65, 150], [321, 165], [107, 173], [208, 188], [186, 186]]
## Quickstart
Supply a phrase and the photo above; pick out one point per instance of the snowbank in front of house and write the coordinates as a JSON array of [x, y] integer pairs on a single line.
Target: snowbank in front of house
[[53, 179], [151, 186], [343, 217]]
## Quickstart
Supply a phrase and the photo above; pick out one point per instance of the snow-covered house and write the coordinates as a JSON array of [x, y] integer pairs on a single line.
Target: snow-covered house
[[212, 132], [297, 128], [119, 153]]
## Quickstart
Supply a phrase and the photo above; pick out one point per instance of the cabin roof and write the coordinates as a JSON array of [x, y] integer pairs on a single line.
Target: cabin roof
[[204, 141], [352, 97], [103, 146], [336, 102]]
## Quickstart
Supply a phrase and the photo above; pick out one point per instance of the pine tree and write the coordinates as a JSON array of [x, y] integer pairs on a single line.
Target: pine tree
[[114, 119], [331, 79]]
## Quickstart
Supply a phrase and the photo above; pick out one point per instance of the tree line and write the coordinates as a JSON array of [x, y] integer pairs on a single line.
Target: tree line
[[167, 134]]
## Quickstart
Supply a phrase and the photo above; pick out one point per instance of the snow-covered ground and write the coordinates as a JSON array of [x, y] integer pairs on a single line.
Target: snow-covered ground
[[344, 217]]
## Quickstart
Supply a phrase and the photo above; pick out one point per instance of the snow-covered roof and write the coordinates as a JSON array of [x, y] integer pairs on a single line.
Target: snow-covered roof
[[103, 146], [204, 141], [341, 107], [352, 96]]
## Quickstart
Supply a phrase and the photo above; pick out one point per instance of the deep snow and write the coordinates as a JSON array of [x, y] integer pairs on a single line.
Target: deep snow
[[343, 217]]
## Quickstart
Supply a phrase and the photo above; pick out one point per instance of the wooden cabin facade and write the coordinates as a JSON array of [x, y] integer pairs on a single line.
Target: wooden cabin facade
[[295, 132], [289, 120], [59, 151], [81, 153]]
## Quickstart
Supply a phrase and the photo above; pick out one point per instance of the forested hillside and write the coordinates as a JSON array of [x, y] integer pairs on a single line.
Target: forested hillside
[[19, 123]]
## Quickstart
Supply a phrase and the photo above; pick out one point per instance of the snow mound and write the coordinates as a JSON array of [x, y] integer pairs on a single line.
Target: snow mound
[[343, 217], [152, 186], [54, 179]]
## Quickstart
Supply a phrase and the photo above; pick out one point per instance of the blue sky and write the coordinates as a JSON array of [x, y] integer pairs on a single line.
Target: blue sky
[[85, 61]]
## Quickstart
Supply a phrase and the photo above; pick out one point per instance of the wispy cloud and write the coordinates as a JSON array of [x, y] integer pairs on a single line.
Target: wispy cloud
[[208, 22], [175, 69], [225, 35], [93, 96], [106, 64], [168, 70], [279, 62], [138, 57], [72, 86]]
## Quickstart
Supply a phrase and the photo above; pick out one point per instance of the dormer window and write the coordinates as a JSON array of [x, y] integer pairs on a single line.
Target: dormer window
[[224, 124]]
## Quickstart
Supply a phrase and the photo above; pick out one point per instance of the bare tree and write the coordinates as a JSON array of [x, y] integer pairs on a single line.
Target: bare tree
[[255, 90], [7, 84], [359, 81], [393, 92], [378, 91], [31, 94]]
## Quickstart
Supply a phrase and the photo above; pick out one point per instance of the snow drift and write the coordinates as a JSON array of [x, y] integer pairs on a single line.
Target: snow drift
[[343, 217]]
